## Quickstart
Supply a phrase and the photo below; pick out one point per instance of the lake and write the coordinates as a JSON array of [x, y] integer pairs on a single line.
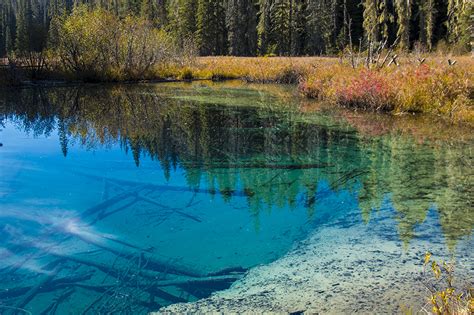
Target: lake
[[129, 198]]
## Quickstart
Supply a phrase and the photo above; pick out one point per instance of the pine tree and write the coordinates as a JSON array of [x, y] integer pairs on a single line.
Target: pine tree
[[281, 21], [2, 31], [39, 26], [182, 19], [371, 18], [427, 19], [241, 25], [403, 8], [322, 26], [264, 27], [211, 34], [10, 29], [154, 11], [9, 41], [459, 22], [298, 27], [377, 19], [24, 27]]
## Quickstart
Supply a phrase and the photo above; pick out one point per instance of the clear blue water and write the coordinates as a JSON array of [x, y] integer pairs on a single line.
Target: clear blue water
[[128, 198]]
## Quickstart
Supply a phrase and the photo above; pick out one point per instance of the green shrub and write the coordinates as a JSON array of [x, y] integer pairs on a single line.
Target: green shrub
[[97, 45]]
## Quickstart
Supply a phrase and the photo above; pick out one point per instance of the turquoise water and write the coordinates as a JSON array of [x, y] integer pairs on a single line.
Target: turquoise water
[[128, 198]]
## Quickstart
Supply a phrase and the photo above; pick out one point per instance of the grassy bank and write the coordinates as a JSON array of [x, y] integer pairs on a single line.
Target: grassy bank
[[432, 86]]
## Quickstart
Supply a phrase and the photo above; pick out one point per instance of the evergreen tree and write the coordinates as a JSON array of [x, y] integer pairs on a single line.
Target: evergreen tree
[[298, 27], [248, 27], [9, 40], [377, 19], [211, 34], [371, 19], [459, 22], [241, 25], [154, 11], [322, 26], [24, 27], [281, 21], [264, 27], [404, 10], [182, 19], [275, 27], [2, 31], [427, 19]]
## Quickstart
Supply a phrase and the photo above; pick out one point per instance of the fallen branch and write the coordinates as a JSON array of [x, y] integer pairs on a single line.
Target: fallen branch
[[36, 289], [149, 200]]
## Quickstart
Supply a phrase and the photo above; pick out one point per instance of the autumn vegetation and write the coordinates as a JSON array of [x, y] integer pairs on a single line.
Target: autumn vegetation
[[376, 58], [434, 86]]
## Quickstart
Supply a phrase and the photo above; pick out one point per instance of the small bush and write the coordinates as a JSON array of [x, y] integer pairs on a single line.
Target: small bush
[[445, 298], [96, 45], [368, 90], [290, 75], [186, 74]]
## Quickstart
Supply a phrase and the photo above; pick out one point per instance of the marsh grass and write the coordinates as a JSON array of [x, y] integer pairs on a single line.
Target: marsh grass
[[428, 86], [434, 87], [431, 86]]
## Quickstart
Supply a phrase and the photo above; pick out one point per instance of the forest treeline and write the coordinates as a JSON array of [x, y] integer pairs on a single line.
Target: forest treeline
[[256, 27]]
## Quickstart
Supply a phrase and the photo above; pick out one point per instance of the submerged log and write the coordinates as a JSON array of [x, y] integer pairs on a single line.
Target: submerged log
[[149, 200], [36, 289], [109, 202], [153, 263], [156, 187], [51, 309], [109, 292], [54, 284]]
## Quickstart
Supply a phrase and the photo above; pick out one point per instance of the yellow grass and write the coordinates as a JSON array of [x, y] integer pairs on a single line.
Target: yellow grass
[[434, 87], [253, 69]]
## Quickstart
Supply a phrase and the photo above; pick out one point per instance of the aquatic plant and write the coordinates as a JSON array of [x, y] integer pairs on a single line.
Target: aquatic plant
[[445, 298]]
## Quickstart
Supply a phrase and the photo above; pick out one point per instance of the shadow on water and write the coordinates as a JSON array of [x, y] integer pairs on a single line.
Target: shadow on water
[[223, 178]]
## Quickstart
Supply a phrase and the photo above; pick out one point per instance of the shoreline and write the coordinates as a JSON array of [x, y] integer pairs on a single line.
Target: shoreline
[[431, 88], [333, 272]]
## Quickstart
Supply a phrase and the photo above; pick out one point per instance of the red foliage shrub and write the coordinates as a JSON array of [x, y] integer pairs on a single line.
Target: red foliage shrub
[[368, 90]]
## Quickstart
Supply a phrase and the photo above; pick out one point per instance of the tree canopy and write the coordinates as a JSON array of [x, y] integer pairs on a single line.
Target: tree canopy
[[257, 27]]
